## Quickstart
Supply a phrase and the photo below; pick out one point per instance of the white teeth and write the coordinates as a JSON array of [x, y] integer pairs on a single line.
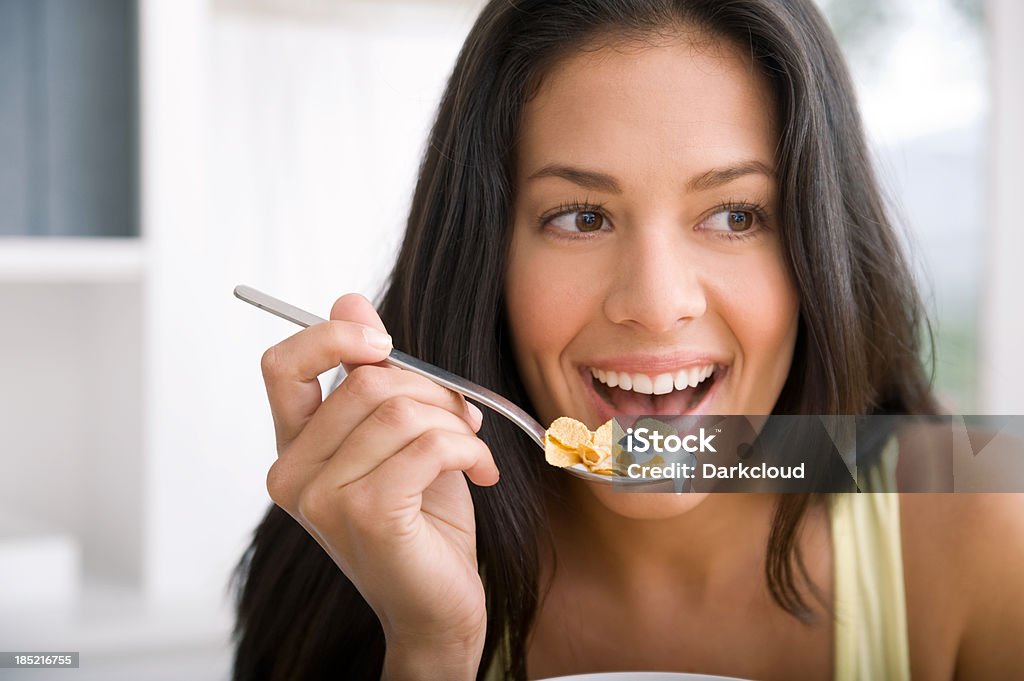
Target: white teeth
[[663, 384], [659, 384], [642, 383], [681, 381]]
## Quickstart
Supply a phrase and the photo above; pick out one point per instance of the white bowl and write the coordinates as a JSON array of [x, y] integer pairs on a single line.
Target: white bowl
[[643, 676]]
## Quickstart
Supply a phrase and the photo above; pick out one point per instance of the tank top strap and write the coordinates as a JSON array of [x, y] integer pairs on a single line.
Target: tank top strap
[[870, 601]]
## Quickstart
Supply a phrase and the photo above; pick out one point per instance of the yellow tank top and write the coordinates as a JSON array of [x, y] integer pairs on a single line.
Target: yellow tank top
[[870, 604], [870, 601]]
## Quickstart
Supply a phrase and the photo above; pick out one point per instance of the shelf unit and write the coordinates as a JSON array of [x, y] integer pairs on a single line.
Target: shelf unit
[[41, 260]]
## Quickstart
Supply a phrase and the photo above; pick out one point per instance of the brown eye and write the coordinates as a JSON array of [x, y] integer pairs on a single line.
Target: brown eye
[[733, 222], [589, 221], [579, 219], [739, 220]]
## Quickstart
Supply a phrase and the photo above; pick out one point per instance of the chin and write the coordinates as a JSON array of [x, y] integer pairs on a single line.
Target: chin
[[647, 505]]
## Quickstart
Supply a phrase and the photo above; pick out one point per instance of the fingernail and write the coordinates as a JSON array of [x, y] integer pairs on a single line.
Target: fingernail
[[476, 414], [377, 339]]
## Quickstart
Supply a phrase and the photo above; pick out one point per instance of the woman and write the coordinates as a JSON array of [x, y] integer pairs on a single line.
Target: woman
[[616, 190]]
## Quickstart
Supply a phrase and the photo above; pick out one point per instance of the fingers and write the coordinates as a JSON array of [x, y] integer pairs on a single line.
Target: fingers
[[291, 367], [393, 426], [397, 483], [353, 307], [391, 464], [392, 395], [418, 464]]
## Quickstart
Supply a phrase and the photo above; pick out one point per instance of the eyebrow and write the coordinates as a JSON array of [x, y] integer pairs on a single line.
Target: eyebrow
[[716, 177], [597, 181]]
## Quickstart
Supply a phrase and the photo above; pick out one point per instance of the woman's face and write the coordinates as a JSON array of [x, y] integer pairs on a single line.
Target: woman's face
[[644, 255]]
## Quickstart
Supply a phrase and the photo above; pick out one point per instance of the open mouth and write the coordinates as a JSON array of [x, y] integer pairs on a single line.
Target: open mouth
[[675, 393]]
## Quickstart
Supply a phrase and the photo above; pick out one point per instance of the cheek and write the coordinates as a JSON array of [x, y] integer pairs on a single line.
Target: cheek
[[548, 301], [761, 306]]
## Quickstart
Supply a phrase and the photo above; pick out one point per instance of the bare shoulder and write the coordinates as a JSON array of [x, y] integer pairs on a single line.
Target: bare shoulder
[[964, 568], [968, 520], [966, 535]]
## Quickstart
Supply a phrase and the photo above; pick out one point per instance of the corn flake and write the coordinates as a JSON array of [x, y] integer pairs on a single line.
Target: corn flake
[[568, 442]]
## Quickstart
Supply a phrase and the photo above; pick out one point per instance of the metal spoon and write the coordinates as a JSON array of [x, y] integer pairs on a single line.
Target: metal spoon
[[478, 393]]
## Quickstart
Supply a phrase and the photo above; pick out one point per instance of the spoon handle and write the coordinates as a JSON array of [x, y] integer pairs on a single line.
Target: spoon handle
[[486, 397]]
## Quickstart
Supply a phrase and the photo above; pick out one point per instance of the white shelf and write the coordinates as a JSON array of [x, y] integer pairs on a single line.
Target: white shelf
[[106, 620], [39, 570], [67, 259]]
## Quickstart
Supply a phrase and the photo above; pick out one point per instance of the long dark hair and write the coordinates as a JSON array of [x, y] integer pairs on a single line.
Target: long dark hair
[[857, 349]]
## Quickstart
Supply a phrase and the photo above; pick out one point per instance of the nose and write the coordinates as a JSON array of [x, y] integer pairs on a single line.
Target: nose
[[658, 284]]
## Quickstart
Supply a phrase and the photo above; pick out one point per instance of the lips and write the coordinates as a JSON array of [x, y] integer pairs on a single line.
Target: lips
[[631, 390]]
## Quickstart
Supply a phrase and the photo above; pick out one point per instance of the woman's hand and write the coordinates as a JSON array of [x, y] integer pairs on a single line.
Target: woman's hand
[[375, 474]]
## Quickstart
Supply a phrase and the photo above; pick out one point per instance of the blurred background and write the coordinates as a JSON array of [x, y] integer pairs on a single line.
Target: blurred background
[[154, 153]]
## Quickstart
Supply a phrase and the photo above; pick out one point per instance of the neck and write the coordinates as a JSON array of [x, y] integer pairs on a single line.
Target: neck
[[720, 539]]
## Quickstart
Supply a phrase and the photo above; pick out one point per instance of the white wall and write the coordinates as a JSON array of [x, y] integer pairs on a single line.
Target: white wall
[[279, 152]]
